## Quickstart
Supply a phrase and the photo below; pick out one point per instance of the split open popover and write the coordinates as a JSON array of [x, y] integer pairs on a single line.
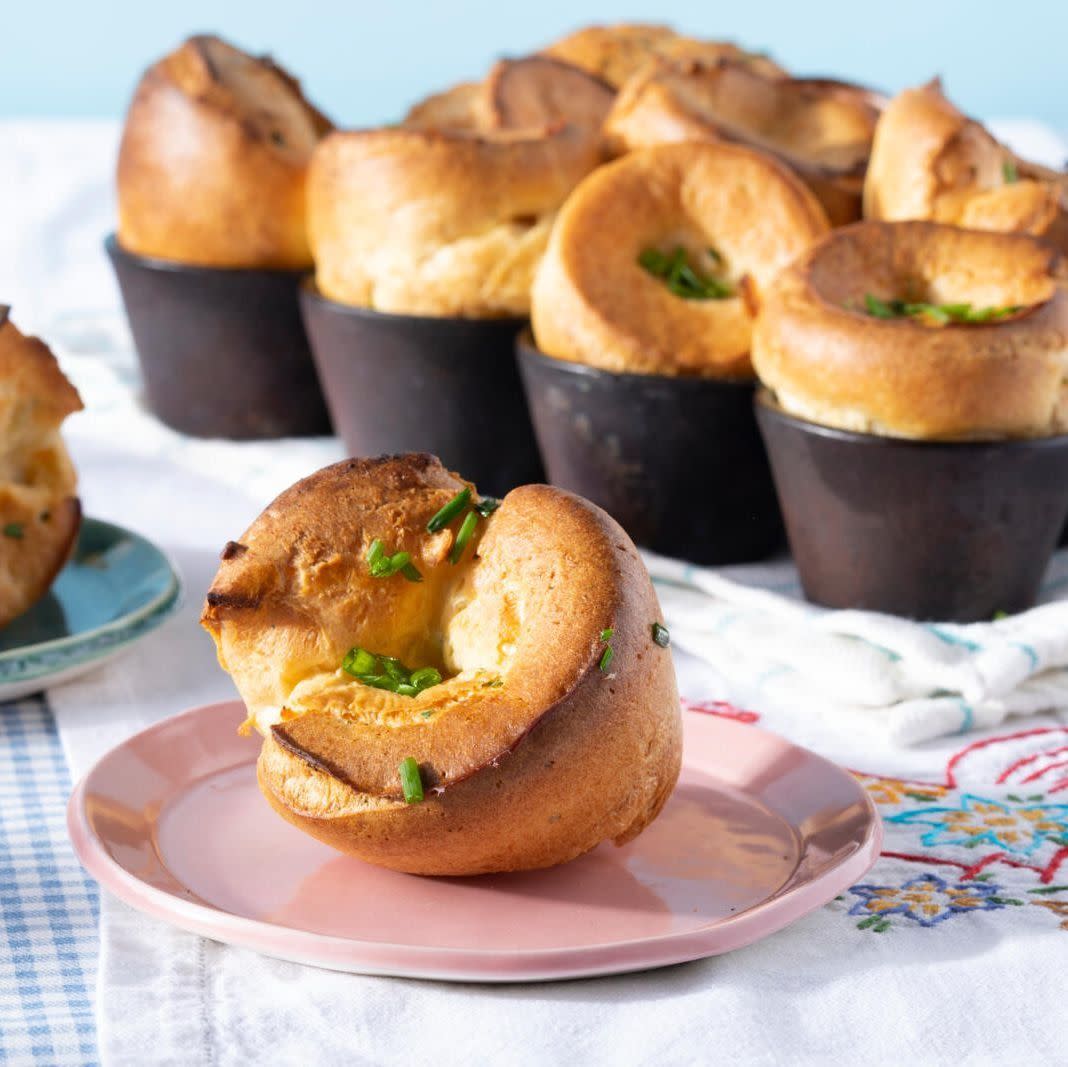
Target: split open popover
[[527, 93], [616, 53], [658, 260], [930, 161], [213, 161], [39, 511], [920, 330], [439, 222], [821, 129], [494, 699]]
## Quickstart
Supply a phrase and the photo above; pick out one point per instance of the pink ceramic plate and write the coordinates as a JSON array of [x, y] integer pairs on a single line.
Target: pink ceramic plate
[[758, 833]]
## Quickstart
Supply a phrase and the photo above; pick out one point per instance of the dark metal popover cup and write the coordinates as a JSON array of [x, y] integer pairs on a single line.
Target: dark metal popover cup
[[223, 352], [678, 462], [942, 530], [414, 383]]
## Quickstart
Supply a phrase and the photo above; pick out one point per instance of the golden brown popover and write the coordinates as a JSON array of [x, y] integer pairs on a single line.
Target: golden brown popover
[[553, 721], [213, 160], [820, 129], [39, 511], [916, 329], [616, 53], [930, 161], [604, 294], [439, 222], [527, 93]]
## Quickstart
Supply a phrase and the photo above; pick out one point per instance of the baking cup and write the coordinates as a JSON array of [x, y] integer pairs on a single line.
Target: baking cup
[[413, 383], [951, 530], [222, 352], [678, 462]]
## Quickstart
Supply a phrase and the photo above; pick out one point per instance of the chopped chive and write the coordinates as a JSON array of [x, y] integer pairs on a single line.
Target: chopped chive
[[425, 677], [411, 780], [410, 572], [716, 255], [682, 279], [425, 714], [381, 564], [493, 683], [449, 511], [661, 636], [606, 658], [487, 506], [375, 553], [14, 530], [387, 672], [467, 529], [607, 635], [935, 314], [1009, 172]]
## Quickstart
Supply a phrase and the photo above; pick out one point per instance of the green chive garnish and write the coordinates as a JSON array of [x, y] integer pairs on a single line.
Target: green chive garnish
[[15, 530], [681, 278], [449, 511], [1009, 172], [607, 654], [661, 636], [411, 780], [425, 677], [936, 314], [381, 564], [487, 506], [493, 683], [467, 529], [387, 672]]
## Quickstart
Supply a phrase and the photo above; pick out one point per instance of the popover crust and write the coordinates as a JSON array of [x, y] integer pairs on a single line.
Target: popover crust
[[39, 511], [439, 222], [528, 93], [213, 159], [592, 301], [826, 360], [820, 129], [617, 53], [929, 161], [530, 754]]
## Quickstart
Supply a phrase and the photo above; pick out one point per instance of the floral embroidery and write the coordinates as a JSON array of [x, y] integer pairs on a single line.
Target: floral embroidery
[[895, 791], [925, 899], [1016, 825]]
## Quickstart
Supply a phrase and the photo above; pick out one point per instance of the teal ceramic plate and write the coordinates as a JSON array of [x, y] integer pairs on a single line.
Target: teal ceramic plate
[[116, 588]]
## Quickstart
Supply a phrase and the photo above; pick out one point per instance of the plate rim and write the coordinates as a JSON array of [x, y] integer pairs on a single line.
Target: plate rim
[[126, 629], [352, 955]]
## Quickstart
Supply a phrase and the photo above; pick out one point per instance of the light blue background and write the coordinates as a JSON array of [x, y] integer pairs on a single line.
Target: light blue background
[[363, 63]]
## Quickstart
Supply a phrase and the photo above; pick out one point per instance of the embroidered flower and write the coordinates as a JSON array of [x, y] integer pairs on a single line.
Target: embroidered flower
[[925, 899], [1018, 827], [894, 791]]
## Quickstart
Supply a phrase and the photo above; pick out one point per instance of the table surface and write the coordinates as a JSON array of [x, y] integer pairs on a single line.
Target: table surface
[[971, 910]]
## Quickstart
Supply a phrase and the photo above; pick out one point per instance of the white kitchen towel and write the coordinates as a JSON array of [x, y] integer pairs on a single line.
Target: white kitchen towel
[[908, 681]]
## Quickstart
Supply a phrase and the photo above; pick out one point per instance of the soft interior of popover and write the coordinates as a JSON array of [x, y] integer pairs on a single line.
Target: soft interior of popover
[[460, 620]]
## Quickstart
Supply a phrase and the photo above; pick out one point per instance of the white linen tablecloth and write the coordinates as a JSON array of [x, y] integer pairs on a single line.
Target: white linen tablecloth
[[953, 948]]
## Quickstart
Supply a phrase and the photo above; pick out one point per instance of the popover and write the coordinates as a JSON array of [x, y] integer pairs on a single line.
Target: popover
[[930, 161], [213, 160], [820, 129], [527, 93], [616, 53], [39, 511], [439, 222], [447, 685], [658, 260], [920, 330]]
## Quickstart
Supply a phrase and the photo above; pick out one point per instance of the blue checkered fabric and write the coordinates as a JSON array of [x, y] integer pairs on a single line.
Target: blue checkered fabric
[[48, 905]]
